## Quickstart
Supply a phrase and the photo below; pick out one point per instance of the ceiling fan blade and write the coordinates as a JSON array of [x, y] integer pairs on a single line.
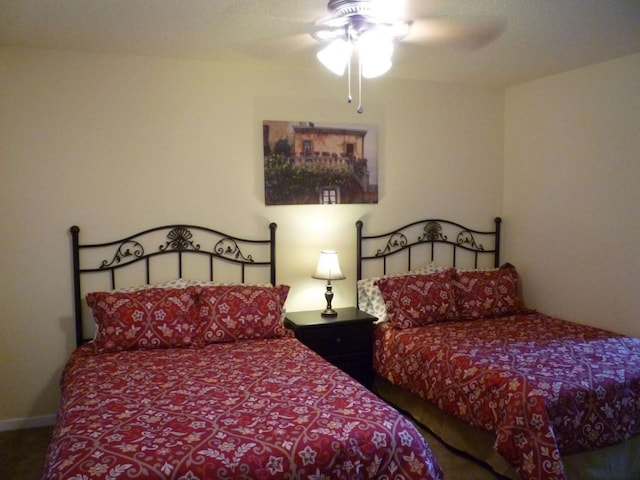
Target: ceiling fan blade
[[457, 33], [264, 37], [277, 47]]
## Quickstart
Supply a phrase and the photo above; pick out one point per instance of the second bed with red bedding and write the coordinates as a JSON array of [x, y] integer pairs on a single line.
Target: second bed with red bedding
[[544, 386]]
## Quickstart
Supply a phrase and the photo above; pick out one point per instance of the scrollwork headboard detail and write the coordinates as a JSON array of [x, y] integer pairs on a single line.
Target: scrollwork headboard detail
[[180, 241], [430, 234]]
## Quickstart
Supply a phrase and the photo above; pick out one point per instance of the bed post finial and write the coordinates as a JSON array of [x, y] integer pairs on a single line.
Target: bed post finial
[[77, 295], [359, 250], [496, 257], [272, 228]]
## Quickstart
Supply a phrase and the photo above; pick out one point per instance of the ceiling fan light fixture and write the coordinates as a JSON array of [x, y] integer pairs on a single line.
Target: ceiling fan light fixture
[[365, 29], [375, 47], [375, 67], [375, 42], [335, 56], [324, 35]]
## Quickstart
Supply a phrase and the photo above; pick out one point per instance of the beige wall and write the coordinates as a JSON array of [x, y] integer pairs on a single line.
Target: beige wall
[[572, 193], [116, 143]]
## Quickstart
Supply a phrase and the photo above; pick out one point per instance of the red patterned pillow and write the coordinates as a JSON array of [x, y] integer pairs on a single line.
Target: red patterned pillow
[[151, 318], [415, 300], [488, 293], [239, 312]]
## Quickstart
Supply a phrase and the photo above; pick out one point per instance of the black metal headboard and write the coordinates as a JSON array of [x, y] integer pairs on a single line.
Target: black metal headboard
[[190, 245], [445, 242]]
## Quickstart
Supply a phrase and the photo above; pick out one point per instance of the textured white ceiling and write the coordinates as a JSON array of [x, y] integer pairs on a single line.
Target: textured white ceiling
[[541, 37]]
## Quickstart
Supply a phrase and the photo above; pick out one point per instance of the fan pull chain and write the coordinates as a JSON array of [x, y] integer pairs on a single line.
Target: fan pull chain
[[360, 109], [349, 80], [349, 66]]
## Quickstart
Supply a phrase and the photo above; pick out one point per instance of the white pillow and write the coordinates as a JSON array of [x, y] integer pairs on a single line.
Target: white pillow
[[177, 283], [213, 283], [370, 298]]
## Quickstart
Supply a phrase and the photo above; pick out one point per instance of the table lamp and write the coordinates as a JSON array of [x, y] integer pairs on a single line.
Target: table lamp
[[328, 269]]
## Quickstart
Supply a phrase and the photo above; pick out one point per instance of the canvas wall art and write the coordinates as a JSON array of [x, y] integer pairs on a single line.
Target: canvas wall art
[[318, 163]]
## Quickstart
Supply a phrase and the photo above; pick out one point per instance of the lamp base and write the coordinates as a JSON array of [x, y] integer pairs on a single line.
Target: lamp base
[[328, 296]]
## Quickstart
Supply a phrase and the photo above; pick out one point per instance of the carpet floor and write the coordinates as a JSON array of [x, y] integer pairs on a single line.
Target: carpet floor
[[22, 453]]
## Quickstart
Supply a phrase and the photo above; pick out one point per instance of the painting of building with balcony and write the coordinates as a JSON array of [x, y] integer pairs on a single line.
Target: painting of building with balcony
[[312, 163]]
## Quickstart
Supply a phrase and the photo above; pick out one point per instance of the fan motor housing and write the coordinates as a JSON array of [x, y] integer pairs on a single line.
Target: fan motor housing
[[348, 8]]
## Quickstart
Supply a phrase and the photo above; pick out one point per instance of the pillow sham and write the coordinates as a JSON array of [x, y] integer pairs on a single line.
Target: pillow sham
[[176, 283], [142, 319], [215, 283], [416, 300], [487, 293], [370, 299], [228, 313]]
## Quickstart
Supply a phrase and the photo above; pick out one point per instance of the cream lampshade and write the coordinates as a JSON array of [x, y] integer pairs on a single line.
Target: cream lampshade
[[328, 269]]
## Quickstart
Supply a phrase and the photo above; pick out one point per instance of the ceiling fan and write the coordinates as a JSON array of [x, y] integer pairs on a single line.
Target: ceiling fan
[[366, 31]]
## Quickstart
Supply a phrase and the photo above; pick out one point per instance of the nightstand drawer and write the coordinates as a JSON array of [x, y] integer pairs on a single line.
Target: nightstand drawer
[[346, 340], [339, 341]]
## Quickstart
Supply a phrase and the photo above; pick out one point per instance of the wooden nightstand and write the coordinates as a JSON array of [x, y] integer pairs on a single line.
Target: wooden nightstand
[[346, 340]]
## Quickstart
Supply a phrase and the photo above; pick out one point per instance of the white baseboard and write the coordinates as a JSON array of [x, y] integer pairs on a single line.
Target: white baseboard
[[27, 422]]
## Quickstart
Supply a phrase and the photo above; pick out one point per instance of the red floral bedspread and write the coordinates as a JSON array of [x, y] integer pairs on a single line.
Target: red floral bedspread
[[256, 409], [544, 386]]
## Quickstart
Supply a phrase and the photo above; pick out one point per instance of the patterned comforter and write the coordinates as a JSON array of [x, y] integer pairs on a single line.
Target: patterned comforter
[[544, 386], [254, 409]]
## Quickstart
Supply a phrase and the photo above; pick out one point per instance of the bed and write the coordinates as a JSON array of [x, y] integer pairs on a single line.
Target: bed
[[190, 373], [532, 396]]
